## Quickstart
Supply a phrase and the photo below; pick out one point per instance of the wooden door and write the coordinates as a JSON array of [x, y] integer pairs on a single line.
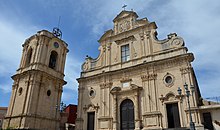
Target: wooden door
[[127, 115], [207, 121], [90, 121], [173, 115]]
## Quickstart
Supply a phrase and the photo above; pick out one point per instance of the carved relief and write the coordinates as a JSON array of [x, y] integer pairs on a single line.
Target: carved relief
[[177, 42], [148, 34], [133, 50], [149, 77], [169, 97], [116, 56], [91, 107], [106, 85], [125, 79], [141, 36], [185, 70], [108, 46], [85, 66], [124, 26]]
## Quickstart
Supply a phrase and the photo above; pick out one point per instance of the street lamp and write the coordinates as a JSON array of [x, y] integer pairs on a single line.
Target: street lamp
[[192, 125]]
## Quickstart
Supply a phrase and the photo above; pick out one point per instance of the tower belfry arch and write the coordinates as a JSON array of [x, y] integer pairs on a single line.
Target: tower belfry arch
[[38, 82]]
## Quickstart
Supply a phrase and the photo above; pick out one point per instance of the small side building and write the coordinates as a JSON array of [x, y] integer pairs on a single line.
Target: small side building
[[68, 117], [3, 111]]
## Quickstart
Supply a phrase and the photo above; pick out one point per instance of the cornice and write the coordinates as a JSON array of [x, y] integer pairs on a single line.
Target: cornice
[[34, 71], [156, 63], [127, 33]]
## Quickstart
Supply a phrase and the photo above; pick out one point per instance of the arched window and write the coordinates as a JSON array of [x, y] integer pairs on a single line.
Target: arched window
[[29, 55], [53, 59]]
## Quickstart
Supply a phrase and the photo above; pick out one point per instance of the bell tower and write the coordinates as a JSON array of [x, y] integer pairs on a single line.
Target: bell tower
[[38, 82]]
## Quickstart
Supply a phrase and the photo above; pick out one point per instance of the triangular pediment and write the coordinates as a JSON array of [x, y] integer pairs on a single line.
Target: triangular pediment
[[125, 14]]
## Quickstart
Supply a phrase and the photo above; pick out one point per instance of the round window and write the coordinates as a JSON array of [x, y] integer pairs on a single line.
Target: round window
[[168, 79], [92, 93], [20, 90], [48, 92], [56, 45]]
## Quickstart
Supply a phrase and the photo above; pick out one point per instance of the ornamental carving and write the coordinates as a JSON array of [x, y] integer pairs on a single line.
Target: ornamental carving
[[177, 42], [185, 70], [141, 36], [125, 79], [108, 46], [106, 85], [149, 77], [124, 26], [169, 97], [91, 107]]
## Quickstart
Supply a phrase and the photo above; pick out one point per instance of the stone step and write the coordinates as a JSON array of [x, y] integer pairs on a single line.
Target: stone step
[[182, 128]]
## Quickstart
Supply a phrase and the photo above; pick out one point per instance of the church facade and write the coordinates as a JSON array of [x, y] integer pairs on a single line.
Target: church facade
[[38, 82], [133, 82]]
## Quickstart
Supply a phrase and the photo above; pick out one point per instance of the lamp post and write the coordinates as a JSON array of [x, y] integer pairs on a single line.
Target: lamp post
[[192, 125]]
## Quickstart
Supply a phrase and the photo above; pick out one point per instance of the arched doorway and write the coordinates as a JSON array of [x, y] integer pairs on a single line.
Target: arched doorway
[[127, 115]]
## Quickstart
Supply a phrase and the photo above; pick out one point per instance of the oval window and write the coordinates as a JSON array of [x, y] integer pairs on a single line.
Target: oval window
[[168, 79], [56, 45], [20, 90], [48, 92], [92, 93]]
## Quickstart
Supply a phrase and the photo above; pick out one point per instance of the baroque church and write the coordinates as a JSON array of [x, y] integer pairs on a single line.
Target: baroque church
[[140, 82], [137, 82]]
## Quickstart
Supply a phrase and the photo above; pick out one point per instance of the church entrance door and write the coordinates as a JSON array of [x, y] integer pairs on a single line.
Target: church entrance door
[[90, 121], [127, 115], [173, 115]]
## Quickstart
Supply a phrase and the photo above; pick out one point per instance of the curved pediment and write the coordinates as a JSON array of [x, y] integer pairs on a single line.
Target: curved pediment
[[106, 35]]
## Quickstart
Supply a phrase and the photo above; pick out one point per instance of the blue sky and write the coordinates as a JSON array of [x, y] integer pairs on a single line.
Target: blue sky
[[83, 22]]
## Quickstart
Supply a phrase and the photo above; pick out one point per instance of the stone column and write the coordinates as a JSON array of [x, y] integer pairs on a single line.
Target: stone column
[[115, 106], [22, 58], [40, 47], [143, 52], [149, 43], [136, 113]]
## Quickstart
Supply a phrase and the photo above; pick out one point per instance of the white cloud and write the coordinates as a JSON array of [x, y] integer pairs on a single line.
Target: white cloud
[[11, 41], [72, 72], [6, 88]]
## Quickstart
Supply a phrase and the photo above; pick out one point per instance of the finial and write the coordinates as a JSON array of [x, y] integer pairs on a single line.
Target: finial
[[59, 22], [124, 6]]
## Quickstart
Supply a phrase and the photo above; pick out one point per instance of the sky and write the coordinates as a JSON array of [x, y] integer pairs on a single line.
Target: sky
[[83, 22]]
